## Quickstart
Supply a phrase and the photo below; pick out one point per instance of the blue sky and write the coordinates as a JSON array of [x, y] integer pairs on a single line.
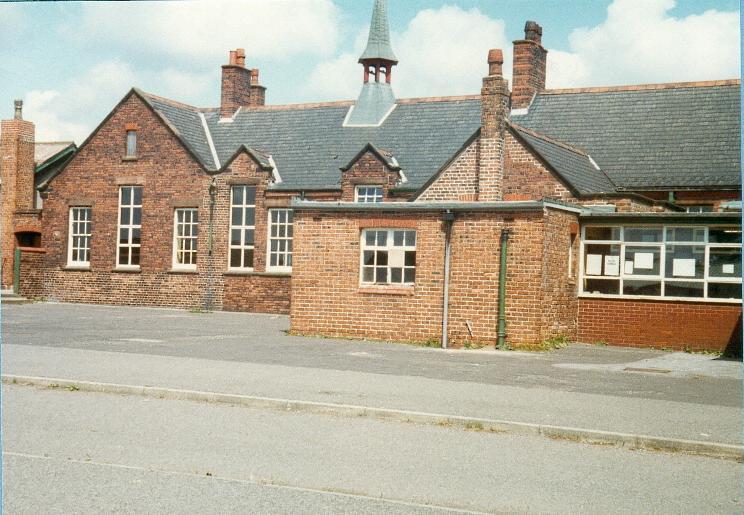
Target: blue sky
[[71, 62]]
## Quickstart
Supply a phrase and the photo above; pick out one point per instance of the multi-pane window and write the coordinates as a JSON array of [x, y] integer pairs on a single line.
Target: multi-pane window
[[78, 246], [280, 239], [242, 226], [369, 194], [662, 261], [131, 143], [388, 256], [130, 226], [185, 235]]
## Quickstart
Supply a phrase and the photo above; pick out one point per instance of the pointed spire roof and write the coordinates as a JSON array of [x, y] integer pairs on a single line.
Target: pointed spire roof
[[378, 44]]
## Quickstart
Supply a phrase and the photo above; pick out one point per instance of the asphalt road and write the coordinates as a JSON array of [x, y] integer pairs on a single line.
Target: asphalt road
[[74, 452], [262, 339]]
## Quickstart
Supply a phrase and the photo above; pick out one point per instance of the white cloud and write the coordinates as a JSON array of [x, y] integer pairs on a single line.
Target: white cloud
[[38, 106], [79, 105], [441, 52], [204, 31], [639, 42]]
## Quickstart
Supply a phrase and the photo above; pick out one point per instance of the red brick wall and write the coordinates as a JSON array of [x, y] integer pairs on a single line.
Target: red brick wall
[[682, 198], [368, 170], [526, 177], [494, 112], [649, 323], [17, 169], [257, 293], [459, 181], [32, 273], [327, 298], [530, 60], [170, 178]]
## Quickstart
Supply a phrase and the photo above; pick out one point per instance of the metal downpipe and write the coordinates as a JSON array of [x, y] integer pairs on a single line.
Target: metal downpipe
[[447, 218], [502, 288]]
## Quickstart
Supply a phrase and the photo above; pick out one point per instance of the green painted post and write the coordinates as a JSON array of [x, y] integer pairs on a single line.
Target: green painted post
[[17, 270]]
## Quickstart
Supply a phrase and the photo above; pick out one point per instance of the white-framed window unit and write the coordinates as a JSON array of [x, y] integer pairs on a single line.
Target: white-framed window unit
[[673, 262], [368, 193], [130, 227], [185, 238], [280, 240], [79, 235], [131, 143], [388, 257], [242, 227]]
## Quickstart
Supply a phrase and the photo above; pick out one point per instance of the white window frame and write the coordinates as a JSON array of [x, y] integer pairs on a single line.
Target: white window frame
[[178, 236], [133, 145], [388, 247], [288, 226], [367, 198], [661, 276], [74, 223], [131, 227], [242, 228]]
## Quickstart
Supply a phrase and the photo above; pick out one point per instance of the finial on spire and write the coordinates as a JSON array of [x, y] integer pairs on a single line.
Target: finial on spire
[[378, 44]]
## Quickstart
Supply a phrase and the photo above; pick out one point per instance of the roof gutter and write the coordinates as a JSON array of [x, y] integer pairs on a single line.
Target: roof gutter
[[504, 206]]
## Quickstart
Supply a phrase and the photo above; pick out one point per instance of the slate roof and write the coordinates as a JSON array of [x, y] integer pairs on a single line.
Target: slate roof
[[642, 138], [645, 138], [44, 150], [186, 123], [572, 165], [309, 144]]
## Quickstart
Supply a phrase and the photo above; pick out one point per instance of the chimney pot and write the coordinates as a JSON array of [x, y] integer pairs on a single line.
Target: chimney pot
[[533, 32], [18, 110], [254, 77], [232, 59], [240, 57], [495, 60]]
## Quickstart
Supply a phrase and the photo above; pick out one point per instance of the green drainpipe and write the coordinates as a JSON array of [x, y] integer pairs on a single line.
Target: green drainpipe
[[17, 270], [502, 288]]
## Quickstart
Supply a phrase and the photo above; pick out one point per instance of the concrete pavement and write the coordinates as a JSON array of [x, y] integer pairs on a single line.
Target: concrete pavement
[[581, 387], [70, 451]]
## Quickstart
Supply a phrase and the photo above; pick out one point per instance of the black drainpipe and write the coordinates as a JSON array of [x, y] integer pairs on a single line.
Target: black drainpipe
[[208, 294], [448, 217], [502, 288]]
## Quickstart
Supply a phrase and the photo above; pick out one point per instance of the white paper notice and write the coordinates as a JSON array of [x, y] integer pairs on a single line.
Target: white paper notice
[[683, 267], [594, 264], [628, 268], [612, 265], [644, 260], [728, 269]]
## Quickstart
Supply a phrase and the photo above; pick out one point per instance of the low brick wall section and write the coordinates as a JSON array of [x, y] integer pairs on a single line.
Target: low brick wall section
[[649, 323], [257, 293], [32, 272]]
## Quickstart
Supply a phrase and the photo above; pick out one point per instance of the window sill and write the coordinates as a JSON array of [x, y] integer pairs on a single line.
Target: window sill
[[77, 268], [127, 270], [268, 273], [387, 290], [129, 158], [649, 298], [183, 271]]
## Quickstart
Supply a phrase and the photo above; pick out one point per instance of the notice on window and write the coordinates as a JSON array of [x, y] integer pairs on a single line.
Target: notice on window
[[594, 264], [612, 265], [628, 268], [728, 269], [683, 267], [644, 260]]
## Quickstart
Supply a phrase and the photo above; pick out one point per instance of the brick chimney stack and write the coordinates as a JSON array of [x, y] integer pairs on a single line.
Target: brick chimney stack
[[494, 112], [240, 87], [17, 187], [529, 66]]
